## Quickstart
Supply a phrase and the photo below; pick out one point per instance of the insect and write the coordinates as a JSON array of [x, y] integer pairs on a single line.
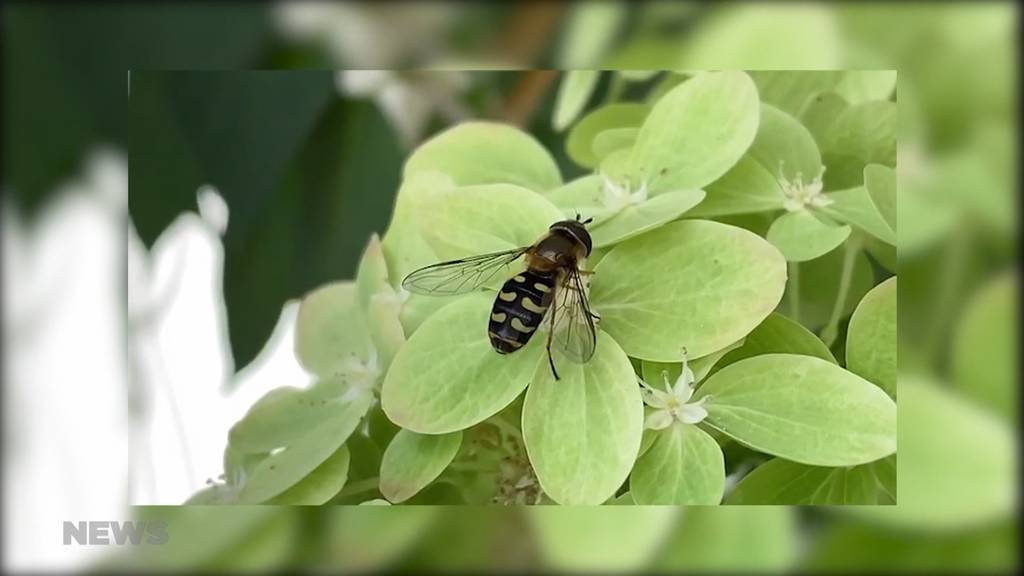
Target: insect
[[550, 290]]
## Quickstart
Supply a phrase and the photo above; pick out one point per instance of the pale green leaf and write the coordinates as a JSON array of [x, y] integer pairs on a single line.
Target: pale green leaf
[[372, 273], [957, 463], [858, 86], [819, 114], [784, 146], [321, 485], [778, 334], [655, 373], [608, 141], [684, 466], [856, 207], [447, 377], [780, 481], [880, 182], [668, 81], [486, 153], [636, 219], [649, 435], [238, 465], [802, 236], [383, 315], [782, 149], [789, 36], [286, 467], [695, 133], [589, 31], [580, 140], [330, 331], [418, 307], [582, 432], [364, 540], [652, 371], [885, 472], [731, 539], [985, 350], [404, 247], [924, 216], [871, 337], [585, 196], [860, 135], [473, 220], [589, 540], [413, 460], [792, 90], [379, 302], [284, 415], [801, 408], [573, 92], [214, 495], [692, 284], [747, 187]]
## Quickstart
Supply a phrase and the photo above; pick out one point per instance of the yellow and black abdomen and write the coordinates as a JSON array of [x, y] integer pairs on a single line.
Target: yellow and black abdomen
[[519, 309]]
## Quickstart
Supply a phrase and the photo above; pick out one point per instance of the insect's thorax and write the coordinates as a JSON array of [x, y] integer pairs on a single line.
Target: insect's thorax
[[554, 251]]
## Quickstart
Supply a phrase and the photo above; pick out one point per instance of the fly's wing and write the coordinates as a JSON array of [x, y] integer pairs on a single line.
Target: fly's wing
[[573, 328], [462, 275]]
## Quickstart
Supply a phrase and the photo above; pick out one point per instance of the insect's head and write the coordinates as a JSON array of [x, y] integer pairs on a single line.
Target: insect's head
[[575, 229]]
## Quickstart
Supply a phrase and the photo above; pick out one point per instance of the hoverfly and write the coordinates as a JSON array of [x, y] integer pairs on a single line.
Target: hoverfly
[[550, 290]]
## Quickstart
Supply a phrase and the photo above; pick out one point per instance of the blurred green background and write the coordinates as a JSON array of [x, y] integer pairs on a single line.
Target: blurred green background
[[298, 219]]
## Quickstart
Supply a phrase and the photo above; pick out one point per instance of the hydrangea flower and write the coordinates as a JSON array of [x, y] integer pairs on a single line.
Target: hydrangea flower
[[673, 403]]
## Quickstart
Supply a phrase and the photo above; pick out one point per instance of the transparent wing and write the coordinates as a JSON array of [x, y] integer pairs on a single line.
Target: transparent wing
[[573, 328], [462, 275]]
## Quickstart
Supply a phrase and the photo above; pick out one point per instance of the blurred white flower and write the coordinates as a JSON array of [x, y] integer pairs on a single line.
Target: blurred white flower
[[92, 427], [408, 99], [66, 406], [369, 34]]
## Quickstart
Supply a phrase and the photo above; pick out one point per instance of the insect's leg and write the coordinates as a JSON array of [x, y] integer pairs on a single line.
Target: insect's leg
[[551, 335], [585, 272]]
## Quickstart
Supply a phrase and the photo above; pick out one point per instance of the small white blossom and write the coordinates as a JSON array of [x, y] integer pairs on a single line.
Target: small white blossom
[[673, 404], [799, 195], [363, 374], [617, 197]]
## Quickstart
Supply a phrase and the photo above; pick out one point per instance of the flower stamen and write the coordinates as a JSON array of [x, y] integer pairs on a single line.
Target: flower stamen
[[799, 195]]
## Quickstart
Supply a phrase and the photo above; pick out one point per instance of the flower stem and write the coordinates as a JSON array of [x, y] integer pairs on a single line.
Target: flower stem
[[949, 282], [361, 486], [831, 330], [615, 88]]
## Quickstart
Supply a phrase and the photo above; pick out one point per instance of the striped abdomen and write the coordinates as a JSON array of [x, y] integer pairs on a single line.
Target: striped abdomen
[[519, 309]]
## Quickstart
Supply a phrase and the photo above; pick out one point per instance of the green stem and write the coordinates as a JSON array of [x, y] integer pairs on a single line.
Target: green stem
[[359, 487], [831, 330], [615, 88], [794, 291], [949, 282]]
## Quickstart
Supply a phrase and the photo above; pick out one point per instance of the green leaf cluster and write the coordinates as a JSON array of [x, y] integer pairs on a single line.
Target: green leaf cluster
[[733, 218]]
